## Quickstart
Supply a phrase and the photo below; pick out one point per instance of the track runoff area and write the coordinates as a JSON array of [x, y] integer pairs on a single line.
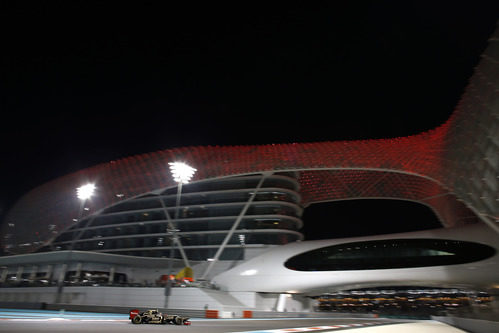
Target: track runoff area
[[24, 321]]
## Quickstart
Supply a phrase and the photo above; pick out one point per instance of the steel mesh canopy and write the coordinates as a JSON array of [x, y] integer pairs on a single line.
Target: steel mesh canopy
[[453, 169]]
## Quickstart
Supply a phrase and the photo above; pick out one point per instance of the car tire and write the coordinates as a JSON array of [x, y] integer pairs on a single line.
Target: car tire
[[177, 320], [137, 319]]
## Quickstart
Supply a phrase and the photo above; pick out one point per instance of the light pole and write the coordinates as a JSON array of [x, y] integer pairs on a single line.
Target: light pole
[[83, 193], [182, 174]]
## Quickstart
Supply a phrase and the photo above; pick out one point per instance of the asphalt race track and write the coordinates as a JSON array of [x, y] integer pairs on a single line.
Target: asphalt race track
[[28, 321]]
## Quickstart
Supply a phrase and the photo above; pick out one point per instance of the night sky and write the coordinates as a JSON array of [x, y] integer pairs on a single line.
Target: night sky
[[86, 82]]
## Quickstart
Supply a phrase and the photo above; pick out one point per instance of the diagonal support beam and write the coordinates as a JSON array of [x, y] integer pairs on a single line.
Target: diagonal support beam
[[173, 229], [234, 226]]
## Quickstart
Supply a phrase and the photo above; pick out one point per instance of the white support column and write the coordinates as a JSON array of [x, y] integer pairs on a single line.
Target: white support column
[[62, 273], [111, 274], [60, 283], [48, 275], [78, 271], [281, 302], [234, 226], [19, 273], [32, 274]]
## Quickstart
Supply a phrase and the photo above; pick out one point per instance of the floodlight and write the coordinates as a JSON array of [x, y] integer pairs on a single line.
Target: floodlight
[[181, 172], [86, 191]]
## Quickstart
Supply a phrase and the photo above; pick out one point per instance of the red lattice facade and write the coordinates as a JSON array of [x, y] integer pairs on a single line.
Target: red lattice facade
[[452, 169]]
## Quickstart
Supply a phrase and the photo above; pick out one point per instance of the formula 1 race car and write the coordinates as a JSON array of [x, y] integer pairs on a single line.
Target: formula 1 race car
[[156, 317]]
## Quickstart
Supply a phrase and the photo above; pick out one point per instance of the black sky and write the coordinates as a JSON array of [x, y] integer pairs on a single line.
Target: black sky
[[85, 82]]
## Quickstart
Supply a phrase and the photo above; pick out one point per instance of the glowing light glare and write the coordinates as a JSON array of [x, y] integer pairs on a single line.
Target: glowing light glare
[[181, 172], [86, 191], [249, 272]]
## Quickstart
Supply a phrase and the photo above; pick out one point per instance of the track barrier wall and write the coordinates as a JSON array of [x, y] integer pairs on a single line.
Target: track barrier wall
[[211, 314]]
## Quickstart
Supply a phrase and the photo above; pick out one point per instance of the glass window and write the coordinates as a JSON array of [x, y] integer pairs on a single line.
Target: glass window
[[390, 253]]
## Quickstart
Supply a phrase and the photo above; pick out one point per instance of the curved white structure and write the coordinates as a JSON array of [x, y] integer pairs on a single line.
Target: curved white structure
[[267, 272]]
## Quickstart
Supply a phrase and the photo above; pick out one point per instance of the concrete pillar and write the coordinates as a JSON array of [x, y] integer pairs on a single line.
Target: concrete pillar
[[60, 283], [3, 276], [32, 275], [78, 271], [112, 270], [281, 302], [48, 275], [62, 273], [19, 273]]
